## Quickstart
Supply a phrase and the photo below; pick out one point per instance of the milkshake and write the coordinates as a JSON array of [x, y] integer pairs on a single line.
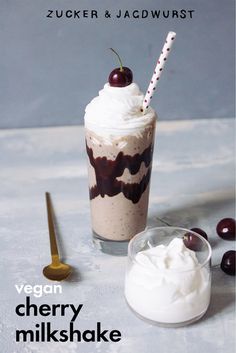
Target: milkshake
[[119, 144]]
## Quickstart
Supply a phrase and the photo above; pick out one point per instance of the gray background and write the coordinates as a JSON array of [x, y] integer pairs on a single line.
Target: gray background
[[50, 68]]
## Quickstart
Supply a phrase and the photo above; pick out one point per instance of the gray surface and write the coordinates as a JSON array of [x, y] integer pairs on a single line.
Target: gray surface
[[50, 69], [192, 185]]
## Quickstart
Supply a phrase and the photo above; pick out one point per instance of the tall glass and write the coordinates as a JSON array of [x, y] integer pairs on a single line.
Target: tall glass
[[169, 297], [119, 179]]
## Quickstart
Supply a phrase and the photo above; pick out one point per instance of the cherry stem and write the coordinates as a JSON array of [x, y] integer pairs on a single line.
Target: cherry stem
[[118, 56]]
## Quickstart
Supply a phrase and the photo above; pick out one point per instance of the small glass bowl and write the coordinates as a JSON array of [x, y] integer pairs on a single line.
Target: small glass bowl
[[168, 297]]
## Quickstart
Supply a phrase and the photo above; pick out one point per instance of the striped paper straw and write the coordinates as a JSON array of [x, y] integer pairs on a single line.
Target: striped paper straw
[[158, 69]]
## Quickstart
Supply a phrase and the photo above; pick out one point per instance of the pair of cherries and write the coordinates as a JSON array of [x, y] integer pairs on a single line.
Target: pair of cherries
[[226, 230]]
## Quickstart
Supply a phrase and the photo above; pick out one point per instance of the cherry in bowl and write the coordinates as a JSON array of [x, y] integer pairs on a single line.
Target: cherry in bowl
[[192, 242]]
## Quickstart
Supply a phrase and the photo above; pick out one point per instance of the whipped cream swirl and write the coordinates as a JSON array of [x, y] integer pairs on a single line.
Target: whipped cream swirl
[[116, 111], [167, 284]]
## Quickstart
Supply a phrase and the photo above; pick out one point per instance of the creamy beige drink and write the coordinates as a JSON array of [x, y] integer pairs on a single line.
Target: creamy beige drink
[[119, 143]]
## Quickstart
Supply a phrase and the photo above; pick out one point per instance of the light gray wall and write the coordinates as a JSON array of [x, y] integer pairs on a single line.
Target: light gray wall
[[50, 68]]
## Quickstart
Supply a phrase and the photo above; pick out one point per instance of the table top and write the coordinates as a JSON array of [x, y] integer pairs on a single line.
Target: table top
[[192, 186]]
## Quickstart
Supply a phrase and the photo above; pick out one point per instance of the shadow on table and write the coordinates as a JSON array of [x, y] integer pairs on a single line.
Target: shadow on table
[[222, 295], [75, 275], [219, 303], [189, 215]]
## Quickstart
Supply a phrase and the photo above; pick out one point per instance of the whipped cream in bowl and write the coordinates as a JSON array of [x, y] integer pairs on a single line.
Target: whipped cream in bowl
[[167, 283], [116, 111]]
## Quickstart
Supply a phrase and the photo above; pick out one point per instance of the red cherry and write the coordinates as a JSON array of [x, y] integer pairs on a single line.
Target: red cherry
[[192, 242], [226, 228], [201, 232], [122, 76], [129, 74], [228, 262], [118, 78]]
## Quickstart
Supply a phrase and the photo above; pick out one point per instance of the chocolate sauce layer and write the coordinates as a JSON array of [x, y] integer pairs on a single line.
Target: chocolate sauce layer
[[107, 171]]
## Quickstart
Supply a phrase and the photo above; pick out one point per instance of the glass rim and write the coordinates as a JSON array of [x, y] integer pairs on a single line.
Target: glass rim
[[138, 235]]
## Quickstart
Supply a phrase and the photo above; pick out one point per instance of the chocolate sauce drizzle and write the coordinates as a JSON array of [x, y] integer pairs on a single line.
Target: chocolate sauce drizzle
[[107, 171]]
